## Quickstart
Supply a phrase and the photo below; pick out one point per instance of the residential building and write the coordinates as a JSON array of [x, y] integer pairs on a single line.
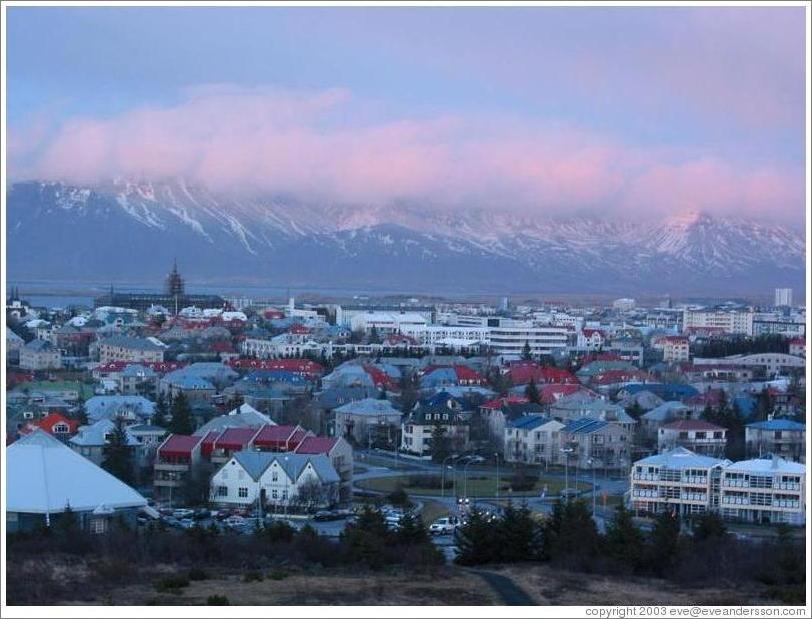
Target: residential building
[[533, 439], [769, 363], [420, 425], [797, 346], [783, 297], [675, 349], [177, 461], [696, 435], [368, 421], [728, 321], [593, 444], [781, 437], [677, 481], [135, 350], [273, 480], [40, 355], [137, 379], [764, 491]]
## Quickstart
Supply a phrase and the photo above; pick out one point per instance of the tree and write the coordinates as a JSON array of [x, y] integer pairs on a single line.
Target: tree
[[709, 526], [527, 354], [519, 535], [635, 411], [569, 535], [764, 405], [477, 540], [664, 542], [624, 540], [181, 422], [374, 338], [531, 392], [440, 443], [161, 417], [412, 531], [118, 455]]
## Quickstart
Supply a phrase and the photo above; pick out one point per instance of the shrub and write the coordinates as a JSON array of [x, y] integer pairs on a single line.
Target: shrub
[[217, 600], [278, 574], [197, 573], [252, 576], [171, 584]]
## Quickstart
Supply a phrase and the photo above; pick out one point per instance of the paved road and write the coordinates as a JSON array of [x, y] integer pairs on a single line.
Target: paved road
[[509, 592]]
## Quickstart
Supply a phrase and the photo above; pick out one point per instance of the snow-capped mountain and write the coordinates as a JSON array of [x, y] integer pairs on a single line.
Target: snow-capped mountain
[[130, 231]]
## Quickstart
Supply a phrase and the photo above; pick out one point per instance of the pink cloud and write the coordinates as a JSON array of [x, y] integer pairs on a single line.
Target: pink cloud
[[263, 140]]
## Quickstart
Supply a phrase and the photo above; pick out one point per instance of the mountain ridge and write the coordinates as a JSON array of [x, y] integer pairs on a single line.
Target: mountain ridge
[[63, 231]]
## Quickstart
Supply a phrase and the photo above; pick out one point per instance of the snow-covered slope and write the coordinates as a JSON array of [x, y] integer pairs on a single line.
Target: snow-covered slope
[[127, 230]]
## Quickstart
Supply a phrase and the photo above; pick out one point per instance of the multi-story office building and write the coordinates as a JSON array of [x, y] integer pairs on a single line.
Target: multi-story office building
[[783, 297], [729, 321]]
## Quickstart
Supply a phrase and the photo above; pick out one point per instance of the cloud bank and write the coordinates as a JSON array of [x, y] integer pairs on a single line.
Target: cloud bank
[[321, 146]]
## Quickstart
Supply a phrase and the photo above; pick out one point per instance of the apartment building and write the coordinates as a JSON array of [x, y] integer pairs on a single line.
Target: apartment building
[[697, 435], [593, 444], [508, 337], [764, 491], [677, 481], [728, 321], [533, 439], [133, 349], [782, 437]]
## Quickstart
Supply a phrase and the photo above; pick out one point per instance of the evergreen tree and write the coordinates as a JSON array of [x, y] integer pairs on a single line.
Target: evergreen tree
[[624, 540], [531, 392], [764, 405], [412, 531], [527, 354], [440, 443], [569, 535], [709, 526], [635, 411], [118, 455], [181, 422], [374, 338], [161, 417], [519, 535], [478, 540], [664, 542]]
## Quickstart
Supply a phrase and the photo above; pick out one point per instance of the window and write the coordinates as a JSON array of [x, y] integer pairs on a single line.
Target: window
[[274, 475], [98, 525], [274, 494], [242, 492], [222, 490], [60, 428]]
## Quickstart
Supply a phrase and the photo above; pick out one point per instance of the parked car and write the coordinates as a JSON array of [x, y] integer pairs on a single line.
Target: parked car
[[186, 523], [444, 526], [234, 521], [331, 514], [393, 521], [183, 513]]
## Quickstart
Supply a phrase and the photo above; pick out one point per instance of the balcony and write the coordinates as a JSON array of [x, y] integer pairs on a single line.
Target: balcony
[[166, 466]]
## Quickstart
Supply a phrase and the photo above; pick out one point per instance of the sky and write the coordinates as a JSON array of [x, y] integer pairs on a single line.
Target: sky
[[627, 112]]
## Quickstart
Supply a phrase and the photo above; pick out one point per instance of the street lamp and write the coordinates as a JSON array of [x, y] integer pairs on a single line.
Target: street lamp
[[465, 478], [497, 477], [442, 474], [567, 451], [592, 464]]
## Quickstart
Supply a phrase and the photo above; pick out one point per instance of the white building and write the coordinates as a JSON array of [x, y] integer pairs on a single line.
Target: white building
[[275, 480], [771, 363], [677, 480], [386, 323], [697, 435], [508, 337], [624, 305], [40, 355], [676, 349], [765, 491], [533, 439], [783, 297], [729, 321]]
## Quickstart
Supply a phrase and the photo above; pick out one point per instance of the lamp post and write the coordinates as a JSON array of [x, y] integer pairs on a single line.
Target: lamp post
[[567, 451], [465, 478], [592, 464], [497, 477], [442, 475]]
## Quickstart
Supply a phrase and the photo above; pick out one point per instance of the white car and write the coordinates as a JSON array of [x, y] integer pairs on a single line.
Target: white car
[[183, 513], [444, 526]]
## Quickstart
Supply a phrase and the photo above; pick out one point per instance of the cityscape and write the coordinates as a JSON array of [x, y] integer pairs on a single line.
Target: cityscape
[[277, 345]]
